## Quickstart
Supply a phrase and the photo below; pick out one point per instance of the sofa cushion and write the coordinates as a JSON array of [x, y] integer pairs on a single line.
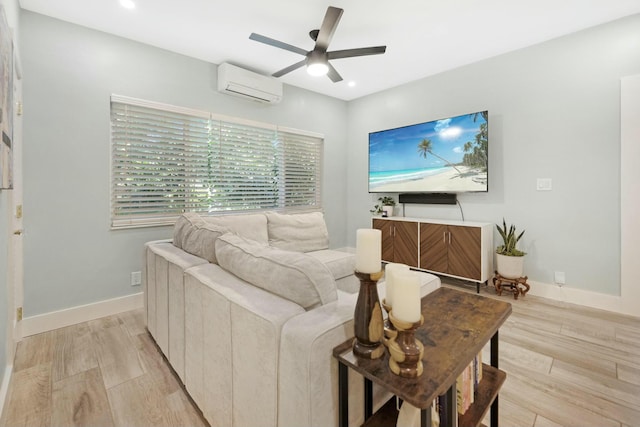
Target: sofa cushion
[[349, 284], [295, 276], [250, 226], [341, 264], [298, 232], [183, 227], [197, 236]]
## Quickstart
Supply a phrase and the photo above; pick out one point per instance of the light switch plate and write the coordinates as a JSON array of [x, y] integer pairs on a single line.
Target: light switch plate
[[136, 278], [544, 184]]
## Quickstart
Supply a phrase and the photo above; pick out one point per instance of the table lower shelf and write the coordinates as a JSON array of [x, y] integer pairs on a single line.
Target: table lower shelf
[[492, 380]]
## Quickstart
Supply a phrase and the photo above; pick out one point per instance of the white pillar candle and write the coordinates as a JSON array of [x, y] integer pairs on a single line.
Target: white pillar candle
[[406, 296], [390, 270], [368, 250]]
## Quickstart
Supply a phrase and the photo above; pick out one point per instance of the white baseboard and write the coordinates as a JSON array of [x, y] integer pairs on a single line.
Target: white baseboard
[[59, 319], [591, 299], [4, 388]]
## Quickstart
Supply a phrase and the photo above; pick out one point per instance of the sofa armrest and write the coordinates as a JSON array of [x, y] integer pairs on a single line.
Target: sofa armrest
[[233, 339], [164, 265], [308, 372]]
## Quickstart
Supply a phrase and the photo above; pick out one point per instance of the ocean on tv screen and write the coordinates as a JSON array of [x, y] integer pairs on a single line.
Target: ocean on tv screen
[[448, 155]]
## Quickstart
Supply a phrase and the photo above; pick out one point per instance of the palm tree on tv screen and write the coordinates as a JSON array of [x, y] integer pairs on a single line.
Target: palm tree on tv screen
[[476, 151], [426, 147]]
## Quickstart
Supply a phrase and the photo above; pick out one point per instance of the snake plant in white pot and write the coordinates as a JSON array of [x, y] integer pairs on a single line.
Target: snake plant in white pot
[[509, 259]]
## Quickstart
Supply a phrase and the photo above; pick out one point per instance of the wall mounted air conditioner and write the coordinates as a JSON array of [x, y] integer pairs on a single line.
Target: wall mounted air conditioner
[[237, 81]]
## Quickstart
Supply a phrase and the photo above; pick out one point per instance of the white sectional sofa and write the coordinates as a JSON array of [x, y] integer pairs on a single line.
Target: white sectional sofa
[[247, 310]]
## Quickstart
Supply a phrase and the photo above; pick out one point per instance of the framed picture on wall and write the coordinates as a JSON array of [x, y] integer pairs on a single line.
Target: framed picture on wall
[[6, 103]]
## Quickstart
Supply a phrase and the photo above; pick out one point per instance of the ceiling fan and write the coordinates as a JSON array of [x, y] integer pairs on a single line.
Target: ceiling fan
[[317, 60]]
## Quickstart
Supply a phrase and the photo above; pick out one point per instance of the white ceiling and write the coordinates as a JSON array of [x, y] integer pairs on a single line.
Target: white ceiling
[[423, 37]]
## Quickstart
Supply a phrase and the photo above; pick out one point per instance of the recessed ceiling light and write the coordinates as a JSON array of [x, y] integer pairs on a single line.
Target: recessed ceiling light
[[127, 4], [351, 83]]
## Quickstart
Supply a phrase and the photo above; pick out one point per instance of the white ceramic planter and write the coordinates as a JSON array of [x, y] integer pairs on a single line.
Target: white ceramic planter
[[511, 267], [388, 210]]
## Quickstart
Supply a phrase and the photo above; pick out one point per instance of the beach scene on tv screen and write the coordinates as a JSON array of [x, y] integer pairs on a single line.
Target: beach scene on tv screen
[[448, 155]]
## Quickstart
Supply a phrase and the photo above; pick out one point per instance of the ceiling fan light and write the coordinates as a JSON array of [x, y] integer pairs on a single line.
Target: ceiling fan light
[[127, 4], [317, 68]]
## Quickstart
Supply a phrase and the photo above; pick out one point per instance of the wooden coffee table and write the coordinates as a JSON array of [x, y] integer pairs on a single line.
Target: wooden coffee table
[[456, 327]]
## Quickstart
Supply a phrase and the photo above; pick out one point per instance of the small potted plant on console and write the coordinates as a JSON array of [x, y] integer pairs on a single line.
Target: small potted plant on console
[[509, 259], [384, 207]]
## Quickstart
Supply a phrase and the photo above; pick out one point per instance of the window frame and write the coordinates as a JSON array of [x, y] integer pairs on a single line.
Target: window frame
[[289, 179]]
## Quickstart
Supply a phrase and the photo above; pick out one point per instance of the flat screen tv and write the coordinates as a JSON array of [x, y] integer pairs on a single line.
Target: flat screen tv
[[441, 156]]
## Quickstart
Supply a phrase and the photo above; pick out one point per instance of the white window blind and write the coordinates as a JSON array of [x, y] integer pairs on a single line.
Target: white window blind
[[168, 160]]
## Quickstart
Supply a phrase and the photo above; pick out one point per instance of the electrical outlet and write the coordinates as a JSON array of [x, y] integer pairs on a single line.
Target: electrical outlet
[[559, 278], [136, 278]]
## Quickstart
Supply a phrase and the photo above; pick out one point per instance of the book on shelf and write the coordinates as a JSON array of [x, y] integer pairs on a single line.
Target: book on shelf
[[466, 390], [467, 384]]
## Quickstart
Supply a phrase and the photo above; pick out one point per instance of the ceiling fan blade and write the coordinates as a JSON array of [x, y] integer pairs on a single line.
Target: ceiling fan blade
[[363, 51], [277, 43], [290, 68], [329, 25], [333, 74]]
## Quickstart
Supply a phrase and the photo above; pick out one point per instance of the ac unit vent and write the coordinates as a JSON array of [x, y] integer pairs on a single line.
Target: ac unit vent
[[246, 84]]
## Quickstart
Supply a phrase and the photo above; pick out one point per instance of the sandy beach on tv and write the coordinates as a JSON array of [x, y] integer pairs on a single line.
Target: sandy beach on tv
[[468, 179]]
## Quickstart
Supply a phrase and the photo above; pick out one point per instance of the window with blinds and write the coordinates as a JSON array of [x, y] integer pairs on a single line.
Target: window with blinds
[[168, 160]]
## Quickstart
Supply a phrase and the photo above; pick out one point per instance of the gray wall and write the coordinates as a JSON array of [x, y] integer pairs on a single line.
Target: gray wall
[[71, 257], [554, 112]]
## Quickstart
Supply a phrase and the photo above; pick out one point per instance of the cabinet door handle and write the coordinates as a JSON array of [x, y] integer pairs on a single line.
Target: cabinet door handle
[[444, 237], [449, 237]]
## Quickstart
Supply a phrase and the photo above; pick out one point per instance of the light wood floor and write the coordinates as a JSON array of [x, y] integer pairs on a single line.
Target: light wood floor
[[106, 372], [566, 366]]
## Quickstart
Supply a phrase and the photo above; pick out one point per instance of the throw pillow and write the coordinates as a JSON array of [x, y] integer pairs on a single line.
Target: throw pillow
[[298, 232], [295, 276], [183, 227], [250, 226], [197, 236]]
